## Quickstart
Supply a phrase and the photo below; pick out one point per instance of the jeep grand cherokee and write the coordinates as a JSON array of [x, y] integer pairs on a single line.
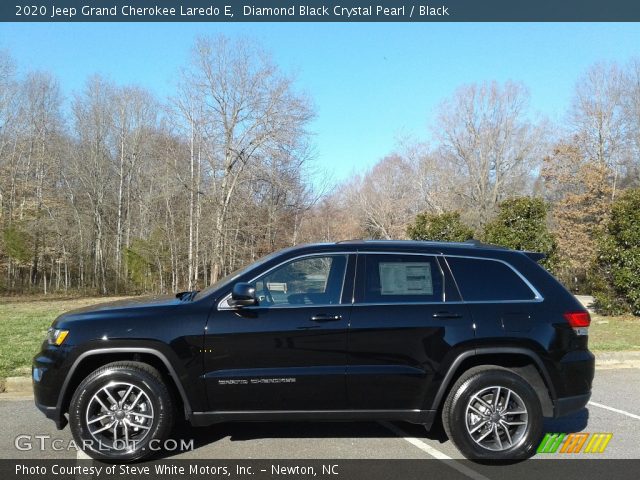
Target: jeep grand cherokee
[[481, 336]]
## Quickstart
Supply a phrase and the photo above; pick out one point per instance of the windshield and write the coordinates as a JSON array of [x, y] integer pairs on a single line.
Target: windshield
[[233, 275]]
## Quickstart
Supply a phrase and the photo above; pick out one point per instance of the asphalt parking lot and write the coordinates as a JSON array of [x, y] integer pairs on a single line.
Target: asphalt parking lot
[[615, 408]]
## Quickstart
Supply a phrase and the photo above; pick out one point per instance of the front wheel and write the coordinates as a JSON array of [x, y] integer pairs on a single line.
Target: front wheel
[[121, 412], [492, 413]]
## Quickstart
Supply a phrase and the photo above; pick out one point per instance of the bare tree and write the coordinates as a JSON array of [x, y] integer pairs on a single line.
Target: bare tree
[[386, 197], [9, 107], [597, 116], [248, 109], [135, 118], [93, 164], [187, 107], [489, 143], [8, 100], [432, 177], [43, 118], [631, 118]]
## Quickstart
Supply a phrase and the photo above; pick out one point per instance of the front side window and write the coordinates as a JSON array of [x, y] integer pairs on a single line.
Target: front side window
[[488, 280], [307, 281], [402, 279]]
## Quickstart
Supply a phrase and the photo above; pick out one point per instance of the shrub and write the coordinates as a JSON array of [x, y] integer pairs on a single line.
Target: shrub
[[17, 243], [616, 278], [445, 227], [521, 224]]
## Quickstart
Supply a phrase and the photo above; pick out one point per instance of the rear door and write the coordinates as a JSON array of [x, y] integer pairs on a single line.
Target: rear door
[[503, 302], [405, 318]]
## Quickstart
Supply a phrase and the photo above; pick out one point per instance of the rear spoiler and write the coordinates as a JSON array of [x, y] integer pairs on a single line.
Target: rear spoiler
[[535, 256]]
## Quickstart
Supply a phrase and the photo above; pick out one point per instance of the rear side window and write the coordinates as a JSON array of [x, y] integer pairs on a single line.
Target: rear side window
[[488, 280], [402, 279]]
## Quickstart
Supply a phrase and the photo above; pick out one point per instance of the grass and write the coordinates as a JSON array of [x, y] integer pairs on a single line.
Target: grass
[[23, 325], [614, 333], [24, 322]]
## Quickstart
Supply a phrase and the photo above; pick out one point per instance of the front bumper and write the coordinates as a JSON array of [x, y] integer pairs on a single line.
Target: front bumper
[[48, 373], [53, 413]]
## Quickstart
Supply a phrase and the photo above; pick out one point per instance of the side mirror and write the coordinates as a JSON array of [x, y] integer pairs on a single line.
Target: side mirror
[[243, 295]]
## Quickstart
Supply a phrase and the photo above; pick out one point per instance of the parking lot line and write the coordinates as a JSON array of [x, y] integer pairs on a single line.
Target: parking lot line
[[599, 405], [80, 455], [434, 452]]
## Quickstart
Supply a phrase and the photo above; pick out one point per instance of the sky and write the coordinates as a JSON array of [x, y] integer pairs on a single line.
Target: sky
[[372, 84]]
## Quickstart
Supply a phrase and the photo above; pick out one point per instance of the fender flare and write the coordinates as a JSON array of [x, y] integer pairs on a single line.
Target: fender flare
[[150, 351], [446, 382]]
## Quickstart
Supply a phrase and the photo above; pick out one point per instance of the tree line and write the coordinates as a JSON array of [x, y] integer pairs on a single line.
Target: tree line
[[494, 172], [115, 190]]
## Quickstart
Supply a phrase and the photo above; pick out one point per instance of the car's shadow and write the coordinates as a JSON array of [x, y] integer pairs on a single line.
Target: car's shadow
[[240, 432]]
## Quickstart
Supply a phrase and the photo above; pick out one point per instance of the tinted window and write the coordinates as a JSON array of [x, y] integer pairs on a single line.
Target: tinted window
[[306, 281], [402, 278], [486, 280]]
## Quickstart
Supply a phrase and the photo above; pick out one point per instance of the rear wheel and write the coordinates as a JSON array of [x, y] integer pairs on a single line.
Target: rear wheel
[[492, 413], [118, 410]]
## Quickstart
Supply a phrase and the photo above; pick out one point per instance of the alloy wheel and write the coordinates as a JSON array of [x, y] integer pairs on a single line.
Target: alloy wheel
[[496, 418], [119, 415]]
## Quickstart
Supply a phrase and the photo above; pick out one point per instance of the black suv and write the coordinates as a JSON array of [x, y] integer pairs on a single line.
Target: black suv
[[357, 330]]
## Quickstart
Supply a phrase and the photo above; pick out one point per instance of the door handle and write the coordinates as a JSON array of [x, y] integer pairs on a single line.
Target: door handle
[[323, 317], [446, 315]]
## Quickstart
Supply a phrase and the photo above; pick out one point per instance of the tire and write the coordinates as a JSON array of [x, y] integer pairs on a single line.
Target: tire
[[468, 415], [119, 409]]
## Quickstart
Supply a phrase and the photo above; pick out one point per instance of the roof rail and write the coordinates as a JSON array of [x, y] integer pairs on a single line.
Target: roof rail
[[472, 243], [479, 244]]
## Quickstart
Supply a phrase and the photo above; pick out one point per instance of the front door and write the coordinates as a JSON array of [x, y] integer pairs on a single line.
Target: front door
[[289, 352]]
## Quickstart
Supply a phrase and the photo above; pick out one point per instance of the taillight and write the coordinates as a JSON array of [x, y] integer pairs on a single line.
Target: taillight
[[578, 319]]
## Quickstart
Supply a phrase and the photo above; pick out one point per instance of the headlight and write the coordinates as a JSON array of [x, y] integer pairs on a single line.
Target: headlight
[[55, 336]]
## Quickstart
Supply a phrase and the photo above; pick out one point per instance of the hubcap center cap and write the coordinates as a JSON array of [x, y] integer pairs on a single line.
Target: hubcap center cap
[[120, 414]]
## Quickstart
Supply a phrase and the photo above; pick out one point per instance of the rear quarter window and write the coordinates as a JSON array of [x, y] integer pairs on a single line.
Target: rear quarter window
[[488, 280]]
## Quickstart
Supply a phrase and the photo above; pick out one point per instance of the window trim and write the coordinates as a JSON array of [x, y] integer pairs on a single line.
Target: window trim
[[224, 303]]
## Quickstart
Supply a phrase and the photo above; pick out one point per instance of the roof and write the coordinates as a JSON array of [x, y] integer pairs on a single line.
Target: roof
[[469, 246], [425, 243]]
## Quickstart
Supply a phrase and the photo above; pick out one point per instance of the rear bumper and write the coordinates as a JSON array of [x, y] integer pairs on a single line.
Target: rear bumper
[[575, 372], [568, 405]]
